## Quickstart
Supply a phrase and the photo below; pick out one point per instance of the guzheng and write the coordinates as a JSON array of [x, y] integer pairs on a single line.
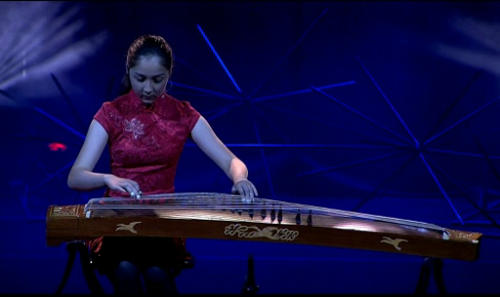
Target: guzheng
[[224, 216]]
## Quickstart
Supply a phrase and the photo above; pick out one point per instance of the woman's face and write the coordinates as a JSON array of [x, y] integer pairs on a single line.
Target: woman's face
[[148, 78]]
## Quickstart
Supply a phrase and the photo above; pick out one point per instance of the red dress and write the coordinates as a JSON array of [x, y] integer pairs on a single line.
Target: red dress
[[145, 143]]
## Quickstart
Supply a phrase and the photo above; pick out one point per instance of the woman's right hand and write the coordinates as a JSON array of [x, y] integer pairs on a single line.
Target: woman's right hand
[[123, 185]]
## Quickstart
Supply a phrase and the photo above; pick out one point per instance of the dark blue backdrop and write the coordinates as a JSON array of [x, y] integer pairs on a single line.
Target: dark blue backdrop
[[389, 108]]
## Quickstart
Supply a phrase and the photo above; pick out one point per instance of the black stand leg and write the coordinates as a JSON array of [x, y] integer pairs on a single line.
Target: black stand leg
[[90, 278], [435, 265], [92, 282], [250, 287], [438, 276], [71, 248]]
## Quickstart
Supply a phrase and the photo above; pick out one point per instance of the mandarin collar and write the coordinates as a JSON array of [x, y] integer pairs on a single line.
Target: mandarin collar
[[138, 105]]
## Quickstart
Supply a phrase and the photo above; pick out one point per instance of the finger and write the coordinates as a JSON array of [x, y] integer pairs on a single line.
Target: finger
[[251, 194], [248, 192], [245, 197], [239, 190], [255, 190], [248, 199], [244, 191], [130, 189], [126, 186], [136, 187], [239, 187], [133, 194], [121, 189], [251, 191]]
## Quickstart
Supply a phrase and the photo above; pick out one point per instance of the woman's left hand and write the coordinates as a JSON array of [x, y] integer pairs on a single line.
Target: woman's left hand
[[246, 189]]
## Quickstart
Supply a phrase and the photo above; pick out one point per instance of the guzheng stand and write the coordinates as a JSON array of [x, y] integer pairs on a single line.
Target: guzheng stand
[[436, 266], [250, 287], [79, 246]]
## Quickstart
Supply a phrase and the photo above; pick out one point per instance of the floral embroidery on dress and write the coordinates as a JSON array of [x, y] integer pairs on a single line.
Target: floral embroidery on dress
[[134, 126], [115, 118]]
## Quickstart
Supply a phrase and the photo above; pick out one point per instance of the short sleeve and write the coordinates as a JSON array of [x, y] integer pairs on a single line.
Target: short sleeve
[[191, 115], [106, 116]]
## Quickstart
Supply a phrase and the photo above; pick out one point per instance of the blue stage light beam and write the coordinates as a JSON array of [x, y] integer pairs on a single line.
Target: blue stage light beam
[[460, 186], [59, 122], [305, 146], [482, 201], [493, 204], [63, 168], [43, 24], [479, 59], [224, 110], [51, 176], [284, 57], [204, 91], [219, 58], [391, 141], [453, 104], [348, 164], [207, 77], [33, 17], [351, 181], [362, 115], [482, 208], [384, 182], [46, 114], [46, 43], [482, 34], [481, 31], [265, 120], [441, 188], [264, 160], [303, 91], [463, 154], [74, 111], [492, 191], [7, 100], [42, 43], [222, 107], [73, 54], [487, 158], [399, 117], [314, 145], [460, 121]]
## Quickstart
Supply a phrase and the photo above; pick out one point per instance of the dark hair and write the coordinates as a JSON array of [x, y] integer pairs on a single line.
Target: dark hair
[[147, 45]]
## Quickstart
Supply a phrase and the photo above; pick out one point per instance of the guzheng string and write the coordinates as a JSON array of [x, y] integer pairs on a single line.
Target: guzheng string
[[219, 201]]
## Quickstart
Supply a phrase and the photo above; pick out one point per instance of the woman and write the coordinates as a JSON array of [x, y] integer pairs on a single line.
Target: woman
[[146, 129]]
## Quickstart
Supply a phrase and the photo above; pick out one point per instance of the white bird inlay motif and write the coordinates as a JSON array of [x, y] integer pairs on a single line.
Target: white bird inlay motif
[[127, 227], [394, 242]]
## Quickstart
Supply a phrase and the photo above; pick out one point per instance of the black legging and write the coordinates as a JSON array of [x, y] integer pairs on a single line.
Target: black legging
[[126, 279]]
